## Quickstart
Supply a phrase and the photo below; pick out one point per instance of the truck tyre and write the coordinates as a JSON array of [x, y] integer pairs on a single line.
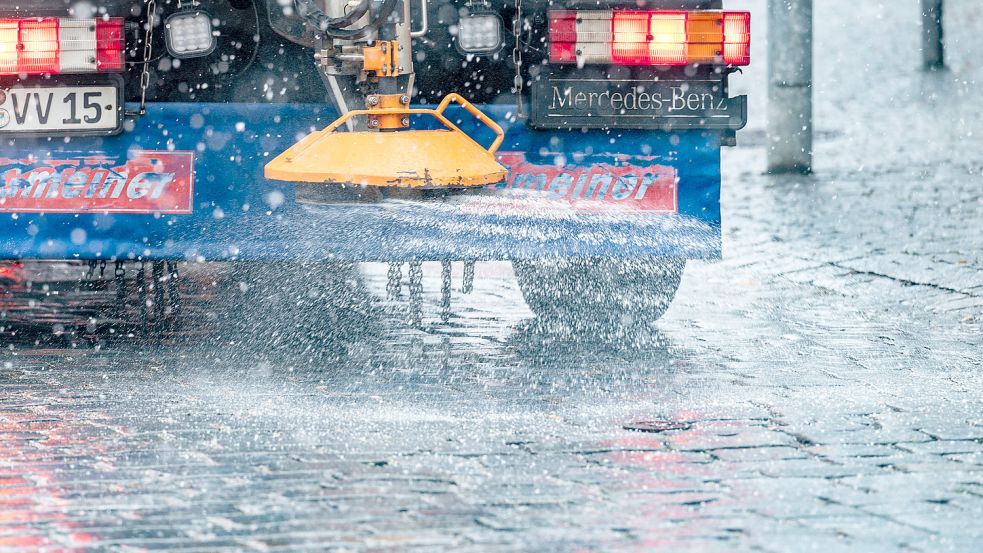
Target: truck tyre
[[599, 293]]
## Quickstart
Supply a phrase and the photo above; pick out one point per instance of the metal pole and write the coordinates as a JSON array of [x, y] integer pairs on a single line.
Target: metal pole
[[790, 86], [933, 38]]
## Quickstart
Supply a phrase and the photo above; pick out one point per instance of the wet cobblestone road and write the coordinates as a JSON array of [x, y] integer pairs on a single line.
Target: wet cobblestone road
[[826, 381], [825, 404]]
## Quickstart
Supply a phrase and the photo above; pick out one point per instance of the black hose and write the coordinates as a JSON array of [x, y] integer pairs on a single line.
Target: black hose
[[314, 15], [333, 26], [349, 19]]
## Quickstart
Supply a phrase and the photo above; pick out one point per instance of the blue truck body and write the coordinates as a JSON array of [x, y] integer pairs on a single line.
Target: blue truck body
[[225, 209]]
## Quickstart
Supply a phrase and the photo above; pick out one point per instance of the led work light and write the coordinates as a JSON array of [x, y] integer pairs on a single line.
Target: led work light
[[479, 33], [189, 34]]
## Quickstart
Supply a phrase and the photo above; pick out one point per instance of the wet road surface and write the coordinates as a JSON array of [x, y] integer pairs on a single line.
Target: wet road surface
[[818, 401], [822, 384]]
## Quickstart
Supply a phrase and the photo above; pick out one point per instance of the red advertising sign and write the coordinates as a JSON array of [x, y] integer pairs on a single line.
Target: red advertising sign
[[148, 182], [625, 185]]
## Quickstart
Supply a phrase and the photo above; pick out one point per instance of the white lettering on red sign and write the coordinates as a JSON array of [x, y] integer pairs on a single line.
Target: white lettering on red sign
[[599, 187], [149, 182]]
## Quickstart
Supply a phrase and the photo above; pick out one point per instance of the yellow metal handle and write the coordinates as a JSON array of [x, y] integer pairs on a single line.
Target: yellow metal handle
[[473, 110], [438, 113]]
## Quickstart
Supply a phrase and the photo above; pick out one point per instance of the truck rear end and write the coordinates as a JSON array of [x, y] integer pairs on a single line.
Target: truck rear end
[[143, 131]]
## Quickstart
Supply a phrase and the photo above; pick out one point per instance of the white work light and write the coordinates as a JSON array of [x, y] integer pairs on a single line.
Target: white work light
[[189, 34], [479, 33]]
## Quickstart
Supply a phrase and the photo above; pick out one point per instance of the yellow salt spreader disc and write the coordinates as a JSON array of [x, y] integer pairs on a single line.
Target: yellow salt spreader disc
[[445, 158]]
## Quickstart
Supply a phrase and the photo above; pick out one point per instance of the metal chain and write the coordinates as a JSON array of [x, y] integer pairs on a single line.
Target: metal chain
[[394, 284], [416, 293], [174, 293], [157, 284], [518, 81], [119, 276], [445, 291], [142, 296], [467, 283], [148, 52]]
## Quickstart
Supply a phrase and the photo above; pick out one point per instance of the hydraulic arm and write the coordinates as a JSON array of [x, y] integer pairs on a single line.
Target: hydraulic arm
[[364, 54]]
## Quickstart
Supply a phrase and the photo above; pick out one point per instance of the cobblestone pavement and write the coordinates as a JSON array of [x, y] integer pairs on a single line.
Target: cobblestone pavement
[[825, 380]]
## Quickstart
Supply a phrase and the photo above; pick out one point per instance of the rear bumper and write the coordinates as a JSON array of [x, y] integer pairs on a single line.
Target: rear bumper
[[186, 182]]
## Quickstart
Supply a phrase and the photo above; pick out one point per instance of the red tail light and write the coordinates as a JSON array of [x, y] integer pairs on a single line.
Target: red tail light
[[641, 38], [52, 45], [109, 44], [737, 38], [628, 37], [29, 45]]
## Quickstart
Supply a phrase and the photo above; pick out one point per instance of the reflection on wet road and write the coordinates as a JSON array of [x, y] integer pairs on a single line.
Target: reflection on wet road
[[806, 420], [824, 379]]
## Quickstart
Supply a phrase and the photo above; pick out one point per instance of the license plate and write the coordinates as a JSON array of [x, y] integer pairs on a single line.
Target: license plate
[[597, 103], [56, 110]]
